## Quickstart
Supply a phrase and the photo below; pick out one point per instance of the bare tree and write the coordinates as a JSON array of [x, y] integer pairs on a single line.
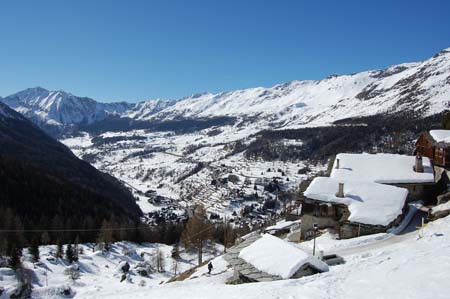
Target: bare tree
[[159, 261], [175, 267]]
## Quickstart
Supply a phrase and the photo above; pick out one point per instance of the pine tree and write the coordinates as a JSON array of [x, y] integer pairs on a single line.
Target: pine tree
[[69, 253], [59, 249], [446, 121], [45, 238], [76, 249], [15, 261], [33, 250]]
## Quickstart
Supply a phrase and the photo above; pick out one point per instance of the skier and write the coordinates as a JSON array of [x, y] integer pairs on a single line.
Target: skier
[[210, 267]]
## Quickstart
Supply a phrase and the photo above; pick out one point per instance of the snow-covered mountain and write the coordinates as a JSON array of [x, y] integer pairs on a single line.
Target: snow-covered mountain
[[146, 109], [419, 86], [60, 107]]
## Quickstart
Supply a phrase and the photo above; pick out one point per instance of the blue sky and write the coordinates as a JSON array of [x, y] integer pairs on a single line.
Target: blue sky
[[137, 50]]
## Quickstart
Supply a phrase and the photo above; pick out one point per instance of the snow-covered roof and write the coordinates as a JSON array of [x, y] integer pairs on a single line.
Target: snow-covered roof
[[368, 202], [381, 168], [441, 135], [282, 225], [277, 257]]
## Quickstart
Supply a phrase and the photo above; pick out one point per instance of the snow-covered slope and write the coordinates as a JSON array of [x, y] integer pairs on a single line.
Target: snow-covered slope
[[143, 110], [422, 86], [410, 268]]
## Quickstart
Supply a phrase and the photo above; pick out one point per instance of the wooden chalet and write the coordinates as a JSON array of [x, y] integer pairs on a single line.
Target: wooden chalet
[[363, 208], [436, 146]]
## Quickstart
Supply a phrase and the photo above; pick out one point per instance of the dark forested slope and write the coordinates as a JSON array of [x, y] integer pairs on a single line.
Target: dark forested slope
[[46, 186]]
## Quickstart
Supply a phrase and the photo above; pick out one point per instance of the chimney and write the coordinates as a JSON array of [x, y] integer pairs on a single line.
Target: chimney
[[340, 192], [337, 163], [419, 164]]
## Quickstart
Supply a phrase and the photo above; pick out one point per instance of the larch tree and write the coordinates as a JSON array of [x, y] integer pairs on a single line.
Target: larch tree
[[197, 231], [105, 236], [159, 261]]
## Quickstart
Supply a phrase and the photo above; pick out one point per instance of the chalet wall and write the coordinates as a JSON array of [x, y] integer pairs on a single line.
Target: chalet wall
[[326, 215], [425, 147], [424, 192], [308, 220], [351, 230]]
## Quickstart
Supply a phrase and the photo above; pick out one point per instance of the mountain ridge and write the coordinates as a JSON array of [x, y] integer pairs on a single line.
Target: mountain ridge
[[419, 87]]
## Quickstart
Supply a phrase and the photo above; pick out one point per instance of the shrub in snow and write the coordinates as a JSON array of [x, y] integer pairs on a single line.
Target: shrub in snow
[[67, 291], [142, 283], [124, 267], [143, 268], [73, 272], [51, 259], [142, 272], [233, 178]]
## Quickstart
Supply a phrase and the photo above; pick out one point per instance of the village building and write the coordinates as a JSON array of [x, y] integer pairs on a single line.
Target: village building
[[435, 145], [366, 193], [268, 258], [352, 207], [414, 173], [281, 228]]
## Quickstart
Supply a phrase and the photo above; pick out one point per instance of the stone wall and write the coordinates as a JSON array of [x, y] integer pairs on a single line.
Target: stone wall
[[424, 192], [351, 230], [305, 270], [308, 221]]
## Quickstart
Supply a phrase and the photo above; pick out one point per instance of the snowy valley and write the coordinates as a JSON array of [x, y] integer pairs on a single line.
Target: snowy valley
[[246, 158]]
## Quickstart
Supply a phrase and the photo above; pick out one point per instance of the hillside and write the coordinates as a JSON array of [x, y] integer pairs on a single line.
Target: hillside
[[376, 266], [47, 186]]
